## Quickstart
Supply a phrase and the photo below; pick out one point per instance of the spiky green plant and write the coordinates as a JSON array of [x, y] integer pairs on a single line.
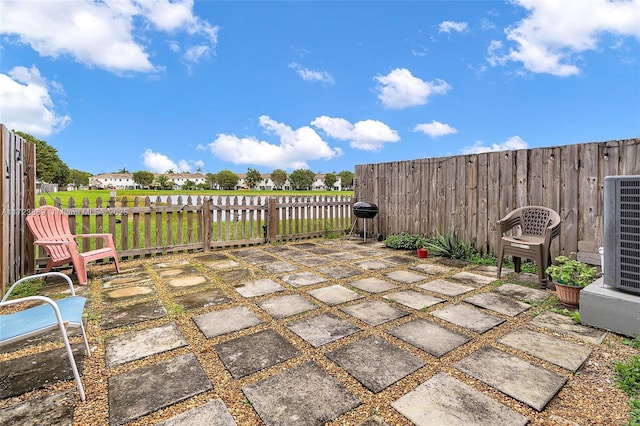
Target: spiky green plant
[[449, 245]]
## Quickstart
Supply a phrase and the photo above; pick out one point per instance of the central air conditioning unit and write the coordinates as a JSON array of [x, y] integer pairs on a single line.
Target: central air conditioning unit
[[622, 232]]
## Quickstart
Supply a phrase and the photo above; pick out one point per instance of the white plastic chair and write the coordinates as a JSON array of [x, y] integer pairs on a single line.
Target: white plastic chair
[[49, 315]]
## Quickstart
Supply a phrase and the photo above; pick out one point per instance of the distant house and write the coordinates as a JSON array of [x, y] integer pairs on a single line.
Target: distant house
[[266, 184], [125, 180]]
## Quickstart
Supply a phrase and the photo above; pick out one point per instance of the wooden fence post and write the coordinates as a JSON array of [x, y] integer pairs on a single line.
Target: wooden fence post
[[207, 224], [272, 220]]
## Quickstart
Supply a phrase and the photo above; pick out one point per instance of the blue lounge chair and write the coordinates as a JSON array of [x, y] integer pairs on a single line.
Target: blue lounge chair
[[49, 315]]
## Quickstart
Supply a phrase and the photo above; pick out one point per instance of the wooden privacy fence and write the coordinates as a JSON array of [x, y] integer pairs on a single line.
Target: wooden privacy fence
[[472, 192], [144, 226], [17, 192]]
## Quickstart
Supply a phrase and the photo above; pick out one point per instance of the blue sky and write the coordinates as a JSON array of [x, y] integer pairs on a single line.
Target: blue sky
[[324, 85]]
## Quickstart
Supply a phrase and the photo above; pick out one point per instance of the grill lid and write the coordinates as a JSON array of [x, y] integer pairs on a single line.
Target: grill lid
[[365, 210]]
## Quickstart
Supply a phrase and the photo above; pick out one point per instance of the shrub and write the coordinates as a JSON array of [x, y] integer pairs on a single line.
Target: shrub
[[403, 241], [449, 245]]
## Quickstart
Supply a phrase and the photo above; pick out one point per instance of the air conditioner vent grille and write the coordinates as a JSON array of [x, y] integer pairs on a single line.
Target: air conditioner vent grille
[[622, 232]]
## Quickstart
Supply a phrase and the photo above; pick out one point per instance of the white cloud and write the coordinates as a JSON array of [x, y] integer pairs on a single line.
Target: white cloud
[[367, 135], [295, 147], [550, 39], [309, 75], [26, 103], [160, 163], [104, 34], [513, 143], [435, 129], [448, 26], [400, 89]]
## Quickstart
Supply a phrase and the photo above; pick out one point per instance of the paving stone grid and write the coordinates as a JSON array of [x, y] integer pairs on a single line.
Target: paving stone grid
[[310, 333]]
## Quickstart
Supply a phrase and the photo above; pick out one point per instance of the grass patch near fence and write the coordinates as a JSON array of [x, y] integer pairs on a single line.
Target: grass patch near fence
[[104, 194], [627, 376]]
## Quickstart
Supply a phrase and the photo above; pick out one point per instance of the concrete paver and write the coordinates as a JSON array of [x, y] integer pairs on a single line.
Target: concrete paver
[[375, 363], [431, 338], [560, 352], [118, 316], [432, 269], [565, 325], [150, 388], [54, 409], [226, 321], [31, 372], [335, 294], [287, 305], [372, 285], [445, 401], [445, 287], [203, 299], [467, 317], [374, 312], [521, 380], [321, 329], [373, 265], [249, 354], [475, 280], [497, 303], [414, 299], [135, 345], [406, 277], [213, 413], [303, 279], [339, 271], [259, 288], [520, 292], [302, 395]]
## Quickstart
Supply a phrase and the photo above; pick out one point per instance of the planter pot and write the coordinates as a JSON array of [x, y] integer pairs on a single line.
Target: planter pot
[[568, 295], [422, 252]]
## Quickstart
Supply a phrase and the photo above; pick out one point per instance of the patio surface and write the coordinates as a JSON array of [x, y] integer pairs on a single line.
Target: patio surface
[[323, 331]]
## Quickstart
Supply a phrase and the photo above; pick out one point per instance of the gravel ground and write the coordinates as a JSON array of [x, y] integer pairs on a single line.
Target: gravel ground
[[589, 398]]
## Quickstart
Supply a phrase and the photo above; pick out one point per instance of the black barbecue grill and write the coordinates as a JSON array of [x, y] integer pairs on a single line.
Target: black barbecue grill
[[364, 210]]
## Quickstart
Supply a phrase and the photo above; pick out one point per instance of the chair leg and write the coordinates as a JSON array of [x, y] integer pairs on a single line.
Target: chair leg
[[115, 261], [81, 272], [517, 263], [72, 361], [84, 337]]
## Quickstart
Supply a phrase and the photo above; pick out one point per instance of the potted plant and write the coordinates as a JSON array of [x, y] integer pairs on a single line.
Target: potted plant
[[569, 277], [421, 247]]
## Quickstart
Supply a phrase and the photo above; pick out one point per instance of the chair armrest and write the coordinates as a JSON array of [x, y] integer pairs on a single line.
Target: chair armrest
[[36, 276], [92, 235], [507, 223]]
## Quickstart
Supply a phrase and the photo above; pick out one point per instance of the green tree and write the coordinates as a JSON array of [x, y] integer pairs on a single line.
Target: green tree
[[346, 179], [122, 170], [330, 179], [49, 167], [143, 178], [164, 182], [279, 177], [202, 186], [189, 185], [79, 178], [227, 179], [170, 172], [212, 180], [302, 179], [253, 178]]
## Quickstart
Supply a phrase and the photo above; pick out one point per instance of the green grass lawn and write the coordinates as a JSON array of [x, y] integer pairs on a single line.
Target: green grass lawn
[[104, 194]]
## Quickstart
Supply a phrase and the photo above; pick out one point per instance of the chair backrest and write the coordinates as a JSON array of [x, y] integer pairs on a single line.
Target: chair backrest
[[535, 220], [51, 223]]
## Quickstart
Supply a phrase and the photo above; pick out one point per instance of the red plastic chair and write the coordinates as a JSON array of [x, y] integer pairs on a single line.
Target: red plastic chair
[[50, 227]]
